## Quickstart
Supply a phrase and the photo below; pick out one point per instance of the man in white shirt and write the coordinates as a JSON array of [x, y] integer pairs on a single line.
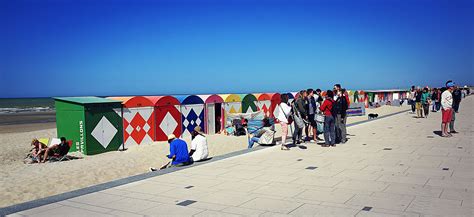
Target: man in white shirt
[[447, 111], [199, 150]]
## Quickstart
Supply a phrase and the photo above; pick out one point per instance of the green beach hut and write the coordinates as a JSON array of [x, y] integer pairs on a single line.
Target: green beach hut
[[93, 124]]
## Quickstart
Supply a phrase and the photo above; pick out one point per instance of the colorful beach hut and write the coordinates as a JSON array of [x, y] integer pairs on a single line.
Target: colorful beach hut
[[213, 113], [192, 113], [93, 124], [232, 103], [264, 102], [138, 120], [249, 103], [167, 116], [275, 103]]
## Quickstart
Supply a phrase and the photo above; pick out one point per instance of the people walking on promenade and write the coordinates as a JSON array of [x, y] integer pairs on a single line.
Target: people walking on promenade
[[411, 99], [329, 122], [457, 96], [283, 116], [299, 116], [425, 101], [435, 97], [418, 105], [341, 105], [447, 111], [311, 108]]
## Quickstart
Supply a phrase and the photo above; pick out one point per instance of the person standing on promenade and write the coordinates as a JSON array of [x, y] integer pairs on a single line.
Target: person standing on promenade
[[283, 116], [456, 101], [329, 123], [418, 105], [299, 117], [425, 101], [434, 99], [446, 109], [411, 99], [311, 108]]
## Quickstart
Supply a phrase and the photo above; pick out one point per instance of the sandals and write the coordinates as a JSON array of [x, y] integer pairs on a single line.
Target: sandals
[[285, 148]]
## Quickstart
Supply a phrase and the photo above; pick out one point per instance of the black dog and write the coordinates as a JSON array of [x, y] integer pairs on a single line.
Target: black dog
[[372, 116]]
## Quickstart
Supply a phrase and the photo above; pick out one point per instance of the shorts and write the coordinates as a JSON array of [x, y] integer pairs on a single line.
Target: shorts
[[312, 120], [446, 115], [418, 105]]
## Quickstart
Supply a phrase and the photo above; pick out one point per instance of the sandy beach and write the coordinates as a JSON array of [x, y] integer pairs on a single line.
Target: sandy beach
[[20, 182]]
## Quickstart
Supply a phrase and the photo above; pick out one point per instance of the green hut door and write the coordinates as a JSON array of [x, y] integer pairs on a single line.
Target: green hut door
[[104, 130]]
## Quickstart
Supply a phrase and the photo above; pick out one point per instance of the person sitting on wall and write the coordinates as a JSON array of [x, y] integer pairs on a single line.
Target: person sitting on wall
[[199, 150], [60, 149], [178, 153], [265, 135]]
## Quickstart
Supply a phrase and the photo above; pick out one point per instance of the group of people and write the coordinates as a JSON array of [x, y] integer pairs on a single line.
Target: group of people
[[179, 155], [447, 99], [40, 152], [313, 111]]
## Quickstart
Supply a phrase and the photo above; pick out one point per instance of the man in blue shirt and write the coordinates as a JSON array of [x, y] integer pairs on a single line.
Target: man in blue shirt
[[178, 153]]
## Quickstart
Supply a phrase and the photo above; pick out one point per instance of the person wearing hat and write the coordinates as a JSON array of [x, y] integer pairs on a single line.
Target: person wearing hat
[[446, 111], [178, 153], [199, 150]]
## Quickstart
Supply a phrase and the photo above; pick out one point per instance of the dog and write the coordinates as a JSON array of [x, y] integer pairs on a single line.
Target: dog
[[373, 116]]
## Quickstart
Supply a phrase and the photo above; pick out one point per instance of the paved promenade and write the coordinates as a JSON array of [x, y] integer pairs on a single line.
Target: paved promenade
[[395, 166]]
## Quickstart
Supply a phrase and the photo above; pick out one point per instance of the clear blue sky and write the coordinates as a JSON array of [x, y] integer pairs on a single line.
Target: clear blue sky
[[147, 47]]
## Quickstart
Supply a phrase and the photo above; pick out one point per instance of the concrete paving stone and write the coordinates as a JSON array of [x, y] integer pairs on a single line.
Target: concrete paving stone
[[436, 206], [165, 199], [403, 180], [342, 205], [467, 197], [40, 209], [450, 184], [273, 214], [358, 175], [392, 203], [363, 185], [96, 199], [209, 171], [84, 206], [278, 191], [394, 169], [15, 215], [68, 211], [271, 205], [372, 213], [318, 210], [275, 178], [243, 211], [137, 195], [130, 205], [238, 186], [429, 172], [170, 210], [352, 191], [325, 196], [152, 188], [114, 191], [465, 174], [319, 181], [241, 174], [124, 214], [415, 190], [216, 214], [207, 206], [188, 194], [227, 198], [394, 212]]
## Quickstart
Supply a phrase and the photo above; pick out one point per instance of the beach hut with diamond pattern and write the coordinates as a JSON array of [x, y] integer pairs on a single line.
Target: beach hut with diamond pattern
[[192, 113], [249, 103], [138, 120], [93, 124], [264, 102], [167, 116]]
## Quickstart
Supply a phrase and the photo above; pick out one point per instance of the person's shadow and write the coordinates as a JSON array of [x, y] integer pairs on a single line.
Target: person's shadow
[[438, 132]]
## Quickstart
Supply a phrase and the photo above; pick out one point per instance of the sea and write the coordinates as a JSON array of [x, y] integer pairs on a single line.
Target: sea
[[26, 111], [26, 105]]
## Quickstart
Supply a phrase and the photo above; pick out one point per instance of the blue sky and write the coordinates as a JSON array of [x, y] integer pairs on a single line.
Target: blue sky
[[146, 47]]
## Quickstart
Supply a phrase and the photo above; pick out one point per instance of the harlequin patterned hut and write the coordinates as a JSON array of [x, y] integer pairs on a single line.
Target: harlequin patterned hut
[[138, 120], [93, 124], [192, 113], [275, 103], [232, 103], [264, 102], [167, 116], [214, 114], [249, 103]]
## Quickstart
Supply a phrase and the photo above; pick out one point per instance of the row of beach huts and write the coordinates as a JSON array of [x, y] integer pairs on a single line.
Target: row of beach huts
[[98, 125]]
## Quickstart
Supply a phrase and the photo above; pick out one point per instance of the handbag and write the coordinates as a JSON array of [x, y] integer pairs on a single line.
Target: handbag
[[319, 118], [297, 118]]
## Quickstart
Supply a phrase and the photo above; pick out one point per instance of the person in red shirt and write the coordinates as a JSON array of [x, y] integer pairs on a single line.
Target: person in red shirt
[[329, 121]]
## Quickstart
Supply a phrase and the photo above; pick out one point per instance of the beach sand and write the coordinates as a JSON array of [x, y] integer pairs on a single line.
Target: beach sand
[[21, 182]]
